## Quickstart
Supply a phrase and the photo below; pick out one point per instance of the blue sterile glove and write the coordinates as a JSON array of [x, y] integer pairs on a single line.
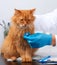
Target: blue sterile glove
[[38, 40]]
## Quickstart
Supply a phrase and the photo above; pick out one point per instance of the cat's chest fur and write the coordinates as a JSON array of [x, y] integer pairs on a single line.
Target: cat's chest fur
[[19, 32]]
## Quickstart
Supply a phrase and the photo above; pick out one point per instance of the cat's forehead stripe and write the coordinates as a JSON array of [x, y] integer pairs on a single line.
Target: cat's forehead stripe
[[26, 14]]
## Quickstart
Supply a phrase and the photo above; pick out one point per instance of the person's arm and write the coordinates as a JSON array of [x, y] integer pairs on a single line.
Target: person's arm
[[53, 40]]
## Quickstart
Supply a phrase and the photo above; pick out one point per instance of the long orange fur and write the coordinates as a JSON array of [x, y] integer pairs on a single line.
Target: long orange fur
[[14, 45]]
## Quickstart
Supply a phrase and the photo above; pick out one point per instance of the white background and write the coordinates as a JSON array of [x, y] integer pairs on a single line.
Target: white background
[[7, 9], [42, 6]]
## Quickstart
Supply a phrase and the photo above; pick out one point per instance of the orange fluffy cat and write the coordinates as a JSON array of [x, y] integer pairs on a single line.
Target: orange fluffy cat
[[14, 45]]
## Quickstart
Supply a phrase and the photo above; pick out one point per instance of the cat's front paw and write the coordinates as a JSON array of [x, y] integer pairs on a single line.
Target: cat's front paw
[[27, 59], [23, 59]]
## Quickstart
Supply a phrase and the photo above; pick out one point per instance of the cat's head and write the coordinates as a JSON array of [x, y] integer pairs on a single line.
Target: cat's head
[[23, 18]]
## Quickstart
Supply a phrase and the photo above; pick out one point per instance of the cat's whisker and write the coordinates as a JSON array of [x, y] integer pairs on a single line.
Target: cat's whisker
[[30, 25], [22, 27]]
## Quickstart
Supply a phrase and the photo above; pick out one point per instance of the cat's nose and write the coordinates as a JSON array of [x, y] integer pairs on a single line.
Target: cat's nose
[[24, 24]]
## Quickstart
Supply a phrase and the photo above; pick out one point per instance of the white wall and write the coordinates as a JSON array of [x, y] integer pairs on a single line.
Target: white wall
[[7, 8], [42, 6]]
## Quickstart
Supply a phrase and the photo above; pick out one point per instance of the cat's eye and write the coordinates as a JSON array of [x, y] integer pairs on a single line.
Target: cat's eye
[[21, 19], [28, 19]]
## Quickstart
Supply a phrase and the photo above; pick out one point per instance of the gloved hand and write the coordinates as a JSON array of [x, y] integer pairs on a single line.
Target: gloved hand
[[38, 40]]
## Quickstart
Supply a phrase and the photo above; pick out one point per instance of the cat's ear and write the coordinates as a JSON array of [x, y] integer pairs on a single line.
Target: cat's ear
[[32, 11], [17, 11]]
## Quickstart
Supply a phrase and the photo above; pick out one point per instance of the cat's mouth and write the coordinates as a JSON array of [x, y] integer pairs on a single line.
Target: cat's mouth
[[22, 27]]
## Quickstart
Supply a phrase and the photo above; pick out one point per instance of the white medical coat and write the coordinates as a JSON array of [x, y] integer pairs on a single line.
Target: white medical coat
[[47, 23]]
